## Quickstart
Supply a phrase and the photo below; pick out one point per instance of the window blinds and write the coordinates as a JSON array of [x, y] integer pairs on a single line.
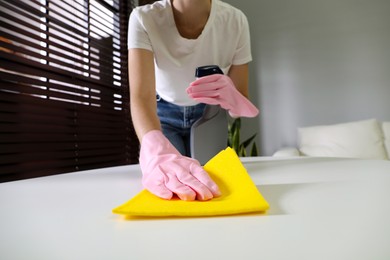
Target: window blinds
[[64, 96]]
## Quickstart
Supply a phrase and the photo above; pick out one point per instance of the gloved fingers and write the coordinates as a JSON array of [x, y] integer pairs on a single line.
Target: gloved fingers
[[200, 174], [207, 79], [207, 87], [157, 187], [184, 176], [183, 191], [161, 191], [202, 192], [207, 94]]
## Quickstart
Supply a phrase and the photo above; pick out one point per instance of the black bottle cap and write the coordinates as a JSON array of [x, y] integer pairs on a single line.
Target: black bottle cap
[[207, 70]]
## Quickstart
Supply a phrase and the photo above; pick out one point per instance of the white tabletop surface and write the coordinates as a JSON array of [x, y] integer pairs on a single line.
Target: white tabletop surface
[[320, 209]]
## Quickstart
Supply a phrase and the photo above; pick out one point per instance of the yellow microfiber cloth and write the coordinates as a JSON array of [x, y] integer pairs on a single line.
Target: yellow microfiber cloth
[[239, 194]]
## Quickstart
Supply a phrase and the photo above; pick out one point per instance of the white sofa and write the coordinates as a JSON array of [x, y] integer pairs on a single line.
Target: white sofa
[[368, 139]]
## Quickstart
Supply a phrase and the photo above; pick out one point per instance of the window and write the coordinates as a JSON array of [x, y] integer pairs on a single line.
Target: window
[[64, 96]]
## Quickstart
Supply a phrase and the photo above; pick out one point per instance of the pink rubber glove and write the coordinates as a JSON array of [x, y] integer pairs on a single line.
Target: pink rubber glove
[[219, 89], [167, 172]]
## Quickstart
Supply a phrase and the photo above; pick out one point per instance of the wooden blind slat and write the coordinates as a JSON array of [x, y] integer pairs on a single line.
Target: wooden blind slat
[[11, 101]]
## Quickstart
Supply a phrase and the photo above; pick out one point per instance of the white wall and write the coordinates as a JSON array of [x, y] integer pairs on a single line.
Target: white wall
[[316, 62]]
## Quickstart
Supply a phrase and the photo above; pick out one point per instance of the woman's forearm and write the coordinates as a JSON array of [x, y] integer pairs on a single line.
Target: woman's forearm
[[144, 116], [240, 77], [143, 103]]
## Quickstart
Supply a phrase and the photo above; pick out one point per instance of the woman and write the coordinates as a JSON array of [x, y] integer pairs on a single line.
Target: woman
[[167, 41]]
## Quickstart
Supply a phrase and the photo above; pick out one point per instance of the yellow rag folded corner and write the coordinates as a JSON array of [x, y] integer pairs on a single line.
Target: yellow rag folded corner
[[239, 194]]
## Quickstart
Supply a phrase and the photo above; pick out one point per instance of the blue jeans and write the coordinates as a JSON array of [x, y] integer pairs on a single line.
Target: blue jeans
[[176, 122]]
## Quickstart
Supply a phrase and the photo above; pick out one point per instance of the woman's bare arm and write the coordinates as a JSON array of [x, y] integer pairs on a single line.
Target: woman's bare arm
[[143, 103], [240, 77]]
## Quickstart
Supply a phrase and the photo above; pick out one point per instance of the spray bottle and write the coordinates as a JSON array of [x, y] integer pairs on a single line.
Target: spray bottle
[[209, 133]]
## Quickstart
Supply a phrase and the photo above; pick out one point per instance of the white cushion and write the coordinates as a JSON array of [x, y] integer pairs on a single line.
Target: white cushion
[[386, 134], [362, 139], [287, 152]]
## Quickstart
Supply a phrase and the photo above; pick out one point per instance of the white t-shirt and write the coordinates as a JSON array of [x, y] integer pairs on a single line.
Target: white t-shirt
[[225, 41]]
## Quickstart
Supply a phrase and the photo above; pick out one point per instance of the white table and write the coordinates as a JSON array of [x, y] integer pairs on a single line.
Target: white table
[[320, 209]]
